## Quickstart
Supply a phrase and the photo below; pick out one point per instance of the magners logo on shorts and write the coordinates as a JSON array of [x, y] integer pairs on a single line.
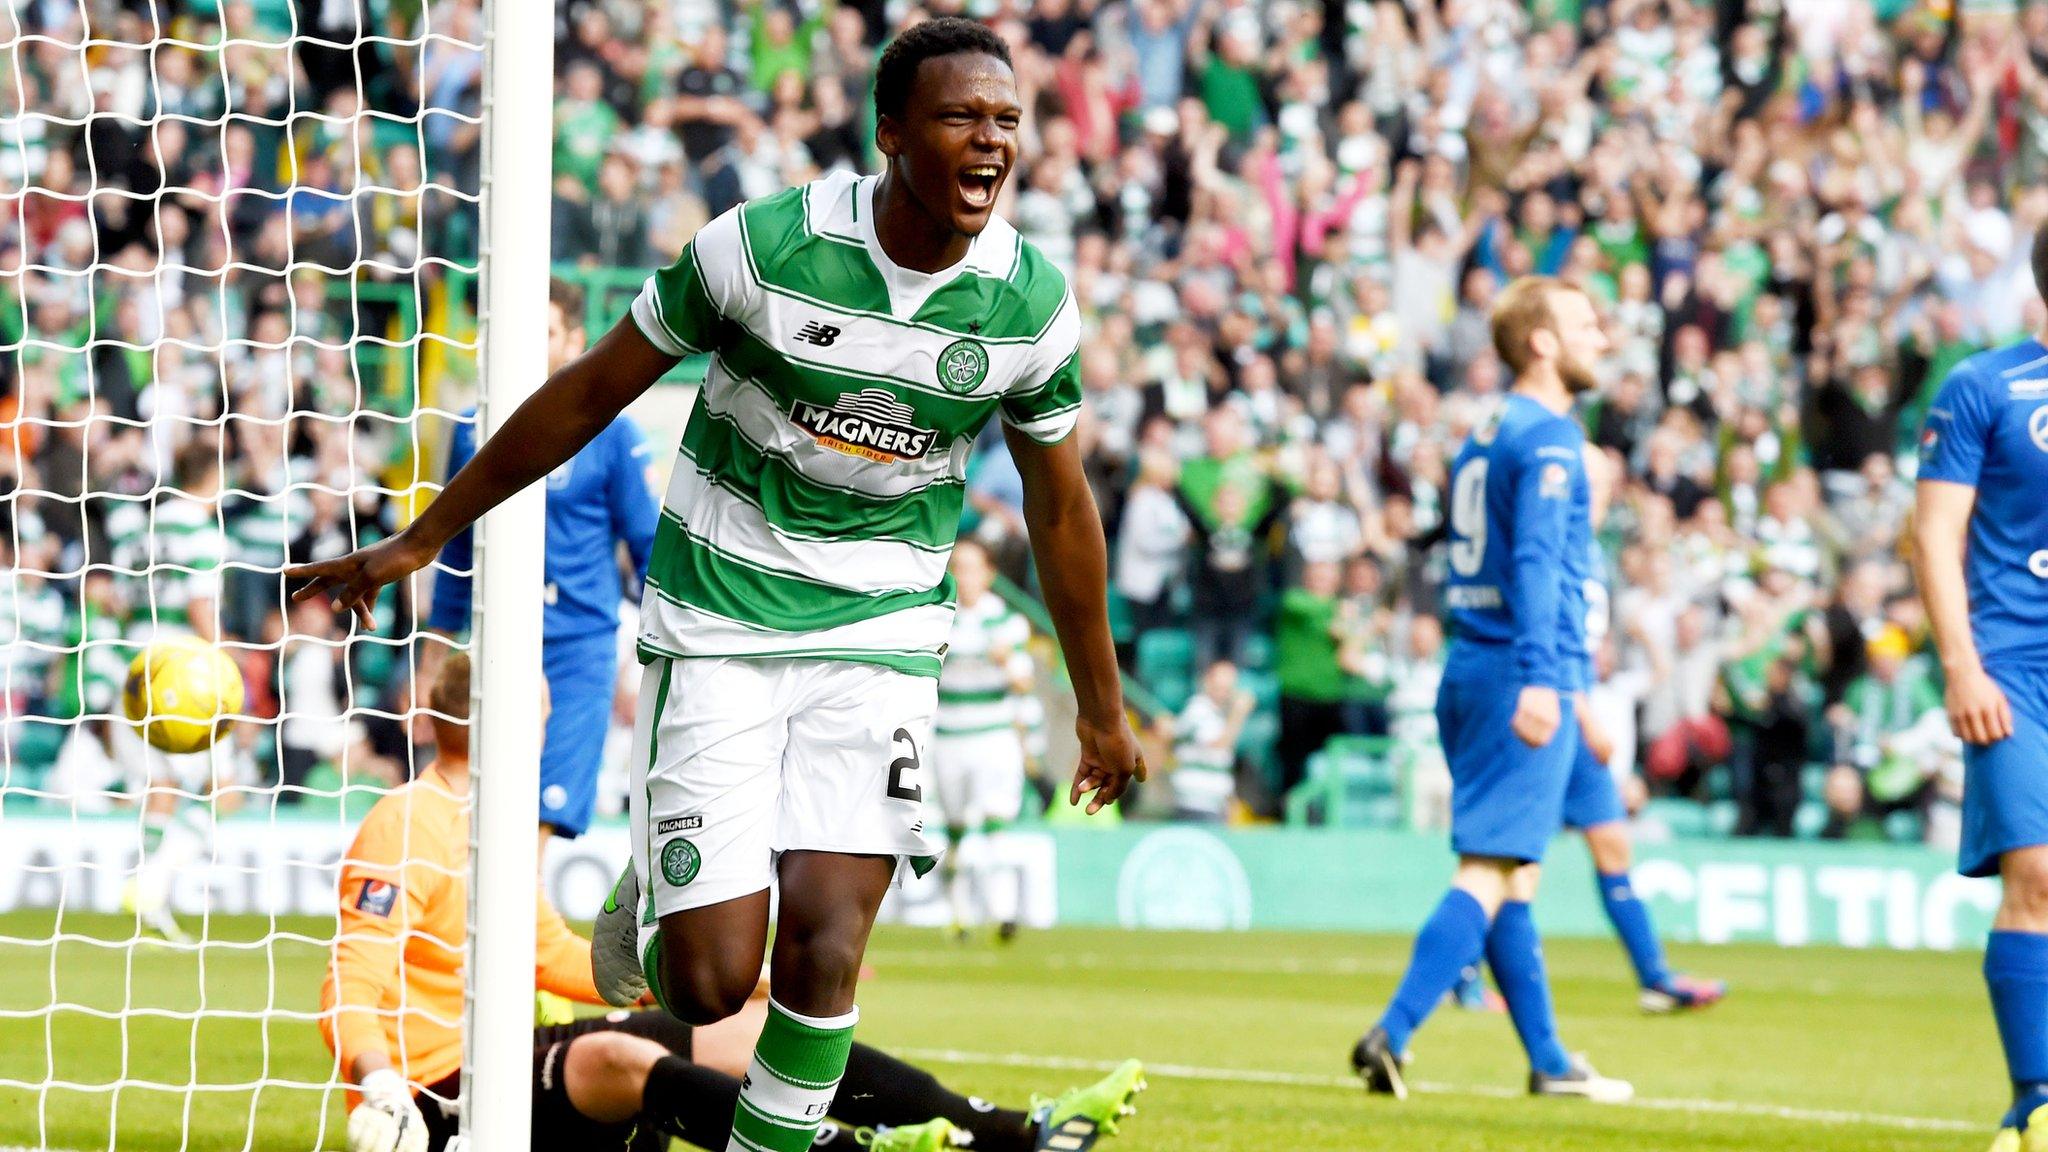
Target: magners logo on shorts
[[871, 424]]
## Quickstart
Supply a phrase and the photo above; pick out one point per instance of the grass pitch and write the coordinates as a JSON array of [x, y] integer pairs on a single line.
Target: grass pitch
[[1246, 1036]]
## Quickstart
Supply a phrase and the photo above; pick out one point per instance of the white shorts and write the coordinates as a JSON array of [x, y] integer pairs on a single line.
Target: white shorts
[[736, 760], [978, 777]]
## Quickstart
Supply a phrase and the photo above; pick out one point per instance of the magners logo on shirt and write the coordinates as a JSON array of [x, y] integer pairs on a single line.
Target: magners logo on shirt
[[871, 424]]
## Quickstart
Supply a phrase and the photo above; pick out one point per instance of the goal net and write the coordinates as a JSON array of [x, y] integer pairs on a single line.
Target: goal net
[[240, 304]]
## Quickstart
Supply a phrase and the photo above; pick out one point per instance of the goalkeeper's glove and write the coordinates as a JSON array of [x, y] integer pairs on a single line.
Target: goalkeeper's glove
[[387, 1119]]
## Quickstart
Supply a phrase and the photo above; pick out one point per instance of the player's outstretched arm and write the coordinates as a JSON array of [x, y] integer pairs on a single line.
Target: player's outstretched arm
[[1073, 570], [1977, 707], [566, 413]]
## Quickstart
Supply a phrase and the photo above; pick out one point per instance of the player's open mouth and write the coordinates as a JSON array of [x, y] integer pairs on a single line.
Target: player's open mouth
[[978, 184]]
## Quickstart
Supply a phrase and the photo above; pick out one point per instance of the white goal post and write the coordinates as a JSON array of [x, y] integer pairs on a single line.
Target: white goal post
[[498, 1024], [228, 344]]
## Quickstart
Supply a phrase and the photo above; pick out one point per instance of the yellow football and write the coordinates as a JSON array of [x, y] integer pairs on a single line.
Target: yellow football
[[182, 693]]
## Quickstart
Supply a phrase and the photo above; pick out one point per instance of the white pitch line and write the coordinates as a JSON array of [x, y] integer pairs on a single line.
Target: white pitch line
[[1339, 966], [1244, 966], [1306, 1080]]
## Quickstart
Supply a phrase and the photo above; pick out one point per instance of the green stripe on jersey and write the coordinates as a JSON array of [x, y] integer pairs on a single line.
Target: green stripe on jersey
[[693, 573], [801, 506], [987, 696], [1059, 395], [684, 311], [781, 253]]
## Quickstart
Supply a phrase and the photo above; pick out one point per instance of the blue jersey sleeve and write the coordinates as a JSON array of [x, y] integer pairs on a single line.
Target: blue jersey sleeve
[[633, 510], [1543, 482], [1958, 429], [450, 612]]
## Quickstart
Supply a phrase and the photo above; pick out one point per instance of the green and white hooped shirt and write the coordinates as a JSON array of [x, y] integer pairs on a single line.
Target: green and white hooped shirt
[[823, 469]]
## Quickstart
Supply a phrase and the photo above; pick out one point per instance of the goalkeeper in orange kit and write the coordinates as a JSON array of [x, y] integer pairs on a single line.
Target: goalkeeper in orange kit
[[391, 1010]]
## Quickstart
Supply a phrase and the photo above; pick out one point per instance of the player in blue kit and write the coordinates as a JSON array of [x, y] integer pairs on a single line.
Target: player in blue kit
[[1520, 548], [596, 501], [1593, 806], [1981, 545]]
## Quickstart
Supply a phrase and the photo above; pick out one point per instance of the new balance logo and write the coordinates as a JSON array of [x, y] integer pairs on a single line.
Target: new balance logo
[[820, 334]]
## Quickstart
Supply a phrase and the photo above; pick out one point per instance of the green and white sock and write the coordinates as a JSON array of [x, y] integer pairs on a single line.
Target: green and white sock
[[789, 1086]]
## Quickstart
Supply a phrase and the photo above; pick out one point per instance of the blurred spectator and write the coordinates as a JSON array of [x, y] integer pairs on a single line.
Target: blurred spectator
[[1229, 544], [584, 125], [1890, 737], [1312, 686], [617, 231], [1685, 737], [1205, 735], [1152, 543], [1770, 747], [1415, 674]]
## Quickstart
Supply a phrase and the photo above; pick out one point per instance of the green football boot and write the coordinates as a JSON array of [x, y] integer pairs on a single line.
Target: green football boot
[[1074, 1121], [930, 1136], [615, 963]]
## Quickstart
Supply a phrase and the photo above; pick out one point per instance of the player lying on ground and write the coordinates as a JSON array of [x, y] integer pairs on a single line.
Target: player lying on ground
[[1520, 540], [1593, 805], [392, 1005], [861, 331], [1981, 542]]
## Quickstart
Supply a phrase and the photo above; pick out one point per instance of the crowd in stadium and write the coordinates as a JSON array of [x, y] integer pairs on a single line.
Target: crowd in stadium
[[1284, 224]]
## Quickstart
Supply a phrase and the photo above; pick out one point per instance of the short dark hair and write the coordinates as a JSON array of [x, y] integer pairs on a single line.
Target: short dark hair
[[2040, 261], [568, 296], [942, 36]]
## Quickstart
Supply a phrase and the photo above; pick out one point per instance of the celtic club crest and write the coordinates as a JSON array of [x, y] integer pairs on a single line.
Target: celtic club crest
[[679, 861], [963, 366]]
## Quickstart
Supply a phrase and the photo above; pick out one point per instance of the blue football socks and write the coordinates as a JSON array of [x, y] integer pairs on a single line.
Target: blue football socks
[[1632, 924], [2016, 972], [1454, 937], [1516, 957]]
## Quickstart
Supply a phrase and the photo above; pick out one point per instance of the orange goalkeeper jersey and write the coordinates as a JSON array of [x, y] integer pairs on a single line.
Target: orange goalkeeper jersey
[[394, 982]]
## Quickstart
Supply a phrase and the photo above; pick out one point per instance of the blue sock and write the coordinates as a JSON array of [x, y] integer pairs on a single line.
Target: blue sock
[[1632, 924], [2016, 971], [1516, 957], [1454, 937]]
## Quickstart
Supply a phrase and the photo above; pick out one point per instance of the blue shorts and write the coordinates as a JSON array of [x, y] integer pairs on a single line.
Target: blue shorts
[[581, 671], [1591, 798], [1507, 799], [2005, 785]]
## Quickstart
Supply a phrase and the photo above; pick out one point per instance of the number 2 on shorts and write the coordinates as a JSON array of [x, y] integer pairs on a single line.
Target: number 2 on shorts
[[898, 790]]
